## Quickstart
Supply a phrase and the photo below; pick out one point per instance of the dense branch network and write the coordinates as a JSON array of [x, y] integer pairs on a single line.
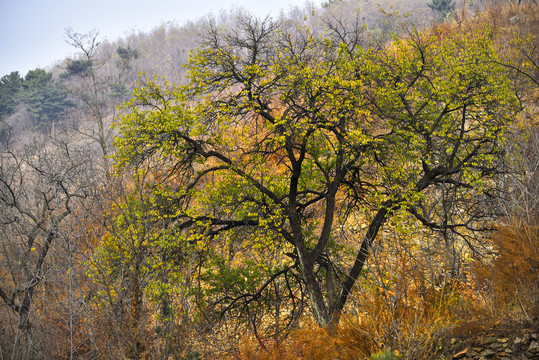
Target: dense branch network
[[280, 135]]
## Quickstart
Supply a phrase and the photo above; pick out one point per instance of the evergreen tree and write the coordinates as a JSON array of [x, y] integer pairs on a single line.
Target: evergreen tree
[[45, 99], [443, 8], [77, 67], [9, 87]]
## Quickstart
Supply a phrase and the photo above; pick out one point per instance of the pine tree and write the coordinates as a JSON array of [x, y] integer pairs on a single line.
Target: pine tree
[[45, 98], [443, 8]]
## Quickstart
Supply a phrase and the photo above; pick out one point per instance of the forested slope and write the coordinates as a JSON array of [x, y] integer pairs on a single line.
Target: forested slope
[[341, 182]]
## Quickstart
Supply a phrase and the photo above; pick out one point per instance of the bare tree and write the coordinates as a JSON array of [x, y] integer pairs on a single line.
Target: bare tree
[[99, 84], [39, 190]]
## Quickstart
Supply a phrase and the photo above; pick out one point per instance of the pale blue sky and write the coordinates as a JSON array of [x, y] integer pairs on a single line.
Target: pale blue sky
[[32, 32]]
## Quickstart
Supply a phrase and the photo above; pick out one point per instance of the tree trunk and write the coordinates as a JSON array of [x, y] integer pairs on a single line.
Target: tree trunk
[[320, 310], [361, 258]]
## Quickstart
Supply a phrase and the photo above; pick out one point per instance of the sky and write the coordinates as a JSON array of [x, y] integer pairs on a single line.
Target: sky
[[32, 32]]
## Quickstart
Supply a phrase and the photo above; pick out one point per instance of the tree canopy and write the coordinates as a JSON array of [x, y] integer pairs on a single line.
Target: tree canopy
[[329, 183], [9, 87], [45, 99], [443, 8], [279, 138]]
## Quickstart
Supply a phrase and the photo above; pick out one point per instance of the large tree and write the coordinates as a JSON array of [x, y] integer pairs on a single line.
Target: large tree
[[283, 139]]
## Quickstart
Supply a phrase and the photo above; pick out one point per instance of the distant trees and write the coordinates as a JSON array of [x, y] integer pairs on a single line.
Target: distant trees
[[77, 68], [329, 2], [443, 8], [45, 98], [298, 173], [127, 54], [280, 137], [98, 87], [10, 85]]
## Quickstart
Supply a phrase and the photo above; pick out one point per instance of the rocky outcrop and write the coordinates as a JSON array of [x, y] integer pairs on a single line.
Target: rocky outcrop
[[519, 345]]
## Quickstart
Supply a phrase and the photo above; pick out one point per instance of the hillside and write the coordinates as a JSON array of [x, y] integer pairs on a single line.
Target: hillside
[[357, 181]]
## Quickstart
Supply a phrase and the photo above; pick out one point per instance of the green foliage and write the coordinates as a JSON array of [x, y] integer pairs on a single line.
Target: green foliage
[[119, 90], [10, 85], [447, 116], [78, 67], [444, 8], [142, 271], [127, 54], [133, 247], [45, 99]]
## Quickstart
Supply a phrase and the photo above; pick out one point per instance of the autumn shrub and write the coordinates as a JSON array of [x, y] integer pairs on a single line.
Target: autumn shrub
[[310, 341], [510, 282], [386, 355], [507, 283], [406, 316], [379, 332], [401, 310]]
